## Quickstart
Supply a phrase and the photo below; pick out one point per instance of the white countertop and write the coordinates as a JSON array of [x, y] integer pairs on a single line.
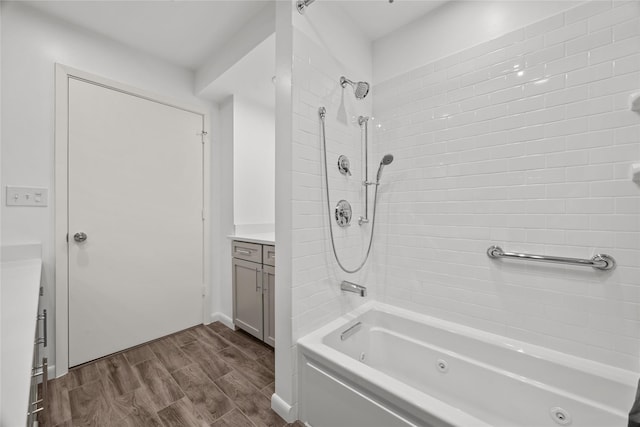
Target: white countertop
[[262, 238], [19, 310]]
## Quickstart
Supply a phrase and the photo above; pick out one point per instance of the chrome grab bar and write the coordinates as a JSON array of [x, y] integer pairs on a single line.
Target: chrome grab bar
[[598, 261], [350, 331]]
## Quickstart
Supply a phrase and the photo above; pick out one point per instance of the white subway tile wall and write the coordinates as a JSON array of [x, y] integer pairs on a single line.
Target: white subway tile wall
[[316, 297], [526, 142]]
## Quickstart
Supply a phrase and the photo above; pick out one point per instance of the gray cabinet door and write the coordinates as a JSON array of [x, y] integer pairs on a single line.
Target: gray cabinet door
[[247, 297], [269, 280]]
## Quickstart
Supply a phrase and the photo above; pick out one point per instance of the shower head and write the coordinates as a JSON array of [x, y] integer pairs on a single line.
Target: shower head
[[360, 89], [386, 160]]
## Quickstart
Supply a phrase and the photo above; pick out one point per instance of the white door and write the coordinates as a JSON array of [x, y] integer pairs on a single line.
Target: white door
[[135, 188]]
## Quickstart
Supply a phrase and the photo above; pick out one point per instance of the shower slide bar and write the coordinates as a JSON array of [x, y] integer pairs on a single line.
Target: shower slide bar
[[599, 261]]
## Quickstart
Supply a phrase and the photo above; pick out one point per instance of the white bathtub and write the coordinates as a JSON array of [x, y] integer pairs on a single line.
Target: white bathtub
[[400, 368]]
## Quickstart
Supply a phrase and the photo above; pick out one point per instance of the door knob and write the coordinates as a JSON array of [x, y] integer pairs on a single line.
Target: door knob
[[80, 237]]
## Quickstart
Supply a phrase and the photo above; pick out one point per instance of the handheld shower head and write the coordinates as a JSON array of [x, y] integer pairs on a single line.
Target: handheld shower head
[[386, 160], [360, 89]]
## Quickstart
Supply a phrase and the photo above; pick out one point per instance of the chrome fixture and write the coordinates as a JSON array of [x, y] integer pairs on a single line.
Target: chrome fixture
[[343, 213], [364, 121], [322, 112], [353, 287], [386, 160], [360, 89], [302, 4], [598, 261], [344, 166], [350, 330], [80, 237]]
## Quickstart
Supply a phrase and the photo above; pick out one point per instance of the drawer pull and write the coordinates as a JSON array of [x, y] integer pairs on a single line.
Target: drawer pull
[[265, 283], [244, 251], [258, 280], [43, 317]]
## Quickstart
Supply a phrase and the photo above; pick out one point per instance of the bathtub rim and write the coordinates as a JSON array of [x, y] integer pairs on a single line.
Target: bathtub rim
[[315, 341], [403, 396], [385, 387]]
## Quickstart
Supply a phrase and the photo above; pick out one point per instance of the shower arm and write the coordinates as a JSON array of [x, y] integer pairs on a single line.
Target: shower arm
[[301, 5]]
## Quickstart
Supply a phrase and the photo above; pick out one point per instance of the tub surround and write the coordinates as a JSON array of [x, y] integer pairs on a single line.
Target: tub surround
[[21, 272], [526, 142]]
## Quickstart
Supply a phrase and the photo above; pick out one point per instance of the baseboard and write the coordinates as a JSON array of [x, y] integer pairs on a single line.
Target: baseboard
[[282, 408], [222, 318], [51, 372]]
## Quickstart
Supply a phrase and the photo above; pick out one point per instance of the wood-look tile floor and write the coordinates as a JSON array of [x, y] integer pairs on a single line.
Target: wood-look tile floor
[[203, 376]]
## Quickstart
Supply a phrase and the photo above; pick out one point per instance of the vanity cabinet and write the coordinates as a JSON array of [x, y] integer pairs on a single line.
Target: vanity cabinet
[[24, 341], [254, 289], [38, 396]]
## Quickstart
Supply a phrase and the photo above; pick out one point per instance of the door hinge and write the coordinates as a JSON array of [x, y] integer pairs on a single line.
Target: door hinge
[[203, 135], [202, 214], [67, 237], [204, 293]]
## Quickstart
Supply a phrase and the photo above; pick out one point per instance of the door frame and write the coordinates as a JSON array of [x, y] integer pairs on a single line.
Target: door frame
[[61, 166]]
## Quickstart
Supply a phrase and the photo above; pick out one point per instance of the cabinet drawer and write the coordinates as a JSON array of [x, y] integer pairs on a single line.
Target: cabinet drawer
[[247, 251], [269, 255]]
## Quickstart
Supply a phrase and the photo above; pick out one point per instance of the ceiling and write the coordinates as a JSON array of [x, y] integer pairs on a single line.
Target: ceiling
[[377, 18], [189, 33], [250, 77], [185, 33]]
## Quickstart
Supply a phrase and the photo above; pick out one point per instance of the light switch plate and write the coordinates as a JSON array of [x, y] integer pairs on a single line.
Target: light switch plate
[[27, 196]]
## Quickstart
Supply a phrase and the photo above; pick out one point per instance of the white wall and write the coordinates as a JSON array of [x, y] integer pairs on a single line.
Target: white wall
[[253, 162], [325, 46], [31, 44], [0, 188], [222, 298], [285, 356], [452, 27], [524, 141]]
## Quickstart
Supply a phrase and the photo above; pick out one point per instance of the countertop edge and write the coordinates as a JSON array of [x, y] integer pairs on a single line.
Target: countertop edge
[[262, 238]]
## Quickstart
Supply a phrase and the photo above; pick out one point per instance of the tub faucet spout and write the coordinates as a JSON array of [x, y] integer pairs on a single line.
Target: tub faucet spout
[[352, 287]]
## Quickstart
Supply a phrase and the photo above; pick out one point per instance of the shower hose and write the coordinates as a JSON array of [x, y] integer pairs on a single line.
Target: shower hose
[[322, 113]]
